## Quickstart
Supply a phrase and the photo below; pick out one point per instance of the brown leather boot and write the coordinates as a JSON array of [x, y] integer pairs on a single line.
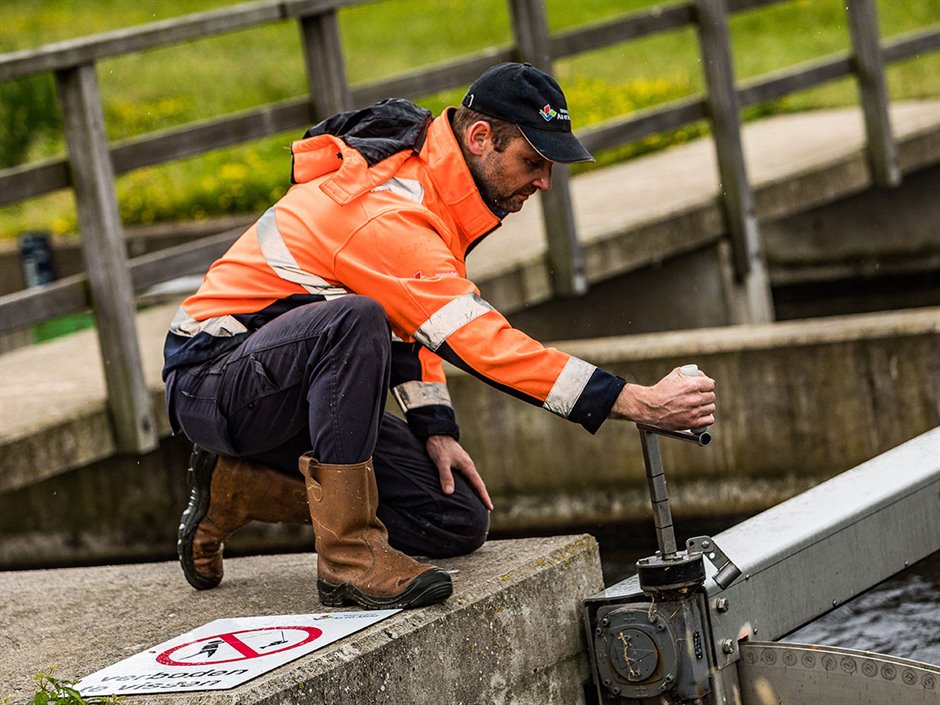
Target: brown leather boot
[[227, 493], [355, 564]]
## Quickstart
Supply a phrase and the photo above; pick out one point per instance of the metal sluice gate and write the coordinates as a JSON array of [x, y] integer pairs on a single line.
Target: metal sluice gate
[[701, 625]]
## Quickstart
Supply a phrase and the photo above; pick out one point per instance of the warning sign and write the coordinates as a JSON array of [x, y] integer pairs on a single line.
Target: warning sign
[[238, 646], [225, 653]]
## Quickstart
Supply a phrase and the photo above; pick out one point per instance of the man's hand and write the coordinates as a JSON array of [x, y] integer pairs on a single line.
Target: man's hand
[[448, 455], [676, 402]]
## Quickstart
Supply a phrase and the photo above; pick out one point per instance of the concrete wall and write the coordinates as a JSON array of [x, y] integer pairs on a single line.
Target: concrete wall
[[798, 402], [876, 250]]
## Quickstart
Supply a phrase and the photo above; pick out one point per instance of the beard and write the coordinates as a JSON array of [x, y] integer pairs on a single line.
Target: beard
[[492, 188]]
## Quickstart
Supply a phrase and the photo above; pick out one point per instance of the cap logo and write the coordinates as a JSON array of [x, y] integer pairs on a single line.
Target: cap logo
[[547, 112]]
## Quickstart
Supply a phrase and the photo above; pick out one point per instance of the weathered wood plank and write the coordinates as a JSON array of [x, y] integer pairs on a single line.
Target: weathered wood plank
[[565, 256], [73, 52], [193, 139], [427, 81], [105, 260], [912, 44], [29, 306], [617, 132], [737, 197], [70, 294], [740, 5], [621, 29], [22, 182], [150, 269], [781, 83], [869, 68], [326, 69]]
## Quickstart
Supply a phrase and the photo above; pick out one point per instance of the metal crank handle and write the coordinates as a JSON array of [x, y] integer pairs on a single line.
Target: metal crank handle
[[700, 438], [691, 370]]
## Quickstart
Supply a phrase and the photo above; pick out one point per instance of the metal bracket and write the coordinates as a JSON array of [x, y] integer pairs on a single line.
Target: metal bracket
[[728, 572]]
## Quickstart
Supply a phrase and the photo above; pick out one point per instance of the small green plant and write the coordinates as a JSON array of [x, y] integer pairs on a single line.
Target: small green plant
[[56, 691]]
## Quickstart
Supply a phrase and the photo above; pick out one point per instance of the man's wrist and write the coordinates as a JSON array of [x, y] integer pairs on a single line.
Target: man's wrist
[[629, 403]]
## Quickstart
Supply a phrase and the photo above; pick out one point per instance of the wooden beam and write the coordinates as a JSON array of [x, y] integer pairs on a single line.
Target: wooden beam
[[84, 50], [780, 83], [105, 259], [621, 29], [736, 195], [620, 131], [326, 68], [911, 44], [566, 258], [881, 150], [70, 294]]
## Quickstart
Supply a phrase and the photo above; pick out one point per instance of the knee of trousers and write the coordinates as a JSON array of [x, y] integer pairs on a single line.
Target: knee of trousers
[[474, 530], [465, 527], [364, 318]]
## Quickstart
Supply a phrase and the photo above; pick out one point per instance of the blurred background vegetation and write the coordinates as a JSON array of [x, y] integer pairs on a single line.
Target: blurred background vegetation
[[198, 80]]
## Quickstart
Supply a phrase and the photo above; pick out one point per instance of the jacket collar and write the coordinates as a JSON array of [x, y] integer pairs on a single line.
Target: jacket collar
[[454, 183]]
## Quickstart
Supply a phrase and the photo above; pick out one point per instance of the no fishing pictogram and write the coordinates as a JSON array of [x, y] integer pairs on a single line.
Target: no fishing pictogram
[[225, 653], [238, 646]]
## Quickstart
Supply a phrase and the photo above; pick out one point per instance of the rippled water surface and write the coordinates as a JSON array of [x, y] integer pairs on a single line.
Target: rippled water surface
[[900, 617]]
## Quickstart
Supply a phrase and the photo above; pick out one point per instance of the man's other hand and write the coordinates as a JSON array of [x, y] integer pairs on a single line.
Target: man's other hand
[[676, 402], [448, 455]]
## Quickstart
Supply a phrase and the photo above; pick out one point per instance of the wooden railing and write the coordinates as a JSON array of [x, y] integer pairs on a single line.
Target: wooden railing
[[111, 281]]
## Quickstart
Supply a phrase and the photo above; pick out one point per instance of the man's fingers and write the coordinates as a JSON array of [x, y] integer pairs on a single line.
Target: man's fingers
[[476, 482], [447, 479]]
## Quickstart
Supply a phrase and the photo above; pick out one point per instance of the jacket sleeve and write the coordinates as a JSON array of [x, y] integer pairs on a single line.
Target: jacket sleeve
[[420, 388], [402, 261]]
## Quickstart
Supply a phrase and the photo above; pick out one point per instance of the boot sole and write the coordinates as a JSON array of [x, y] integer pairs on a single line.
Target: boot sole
[[431, 587], [199, 474]]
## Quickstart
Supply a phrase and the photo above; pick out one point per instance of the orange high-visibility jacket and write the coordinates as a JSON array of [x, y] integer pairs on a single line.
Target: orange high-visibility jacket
[[391, 219]]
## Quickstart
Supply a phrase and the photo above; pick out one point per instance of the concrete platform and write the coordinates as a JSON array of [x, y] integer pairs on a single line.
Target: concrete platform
[[511, 633]]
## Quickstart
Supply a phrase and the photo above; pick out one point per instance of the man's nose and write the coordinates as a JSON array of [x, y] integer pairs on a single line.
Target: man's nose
[[543, 182]]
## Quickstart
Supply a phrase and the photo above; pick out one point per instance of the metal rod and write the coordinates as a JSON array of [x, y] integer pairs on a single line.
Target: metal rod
[[659, 498], [702, 438]]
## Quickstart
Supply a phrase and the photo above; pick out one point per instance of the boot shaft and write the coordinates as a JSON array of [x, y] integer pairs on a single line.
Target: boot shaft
[[354, 561], [344, 500], [244, 491]]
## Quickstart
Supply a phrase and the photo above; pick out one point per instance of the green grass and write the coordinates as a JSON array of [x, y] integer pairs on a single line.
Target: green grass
[[211, 77]]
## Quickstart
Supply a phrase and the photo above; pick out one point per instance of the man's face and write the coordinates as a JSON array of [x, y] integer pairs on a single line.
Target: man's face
[[509, 177]]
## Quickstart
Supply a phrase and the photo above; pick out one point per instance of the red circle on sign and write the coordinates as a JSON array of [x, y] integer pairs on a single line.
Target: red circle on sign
[[232, 639]]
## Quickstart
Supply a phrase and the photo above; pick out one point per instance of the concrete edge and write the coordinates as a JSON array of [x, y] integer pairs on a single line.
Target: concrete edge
[[473, 648]]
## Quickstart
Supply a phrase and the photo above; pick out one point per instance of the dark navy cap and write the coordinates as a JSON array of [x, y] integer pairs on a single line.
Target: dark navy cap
[[530, 98]]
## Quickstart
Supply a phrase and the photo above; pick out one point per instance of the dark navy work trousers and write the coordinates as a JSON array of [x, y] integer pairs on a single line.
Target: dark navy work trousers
[[316, 378]]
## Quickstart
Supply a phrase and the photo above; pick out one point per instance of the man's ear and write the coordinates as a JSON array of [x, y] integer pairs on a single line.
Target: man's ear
[[477, 136]]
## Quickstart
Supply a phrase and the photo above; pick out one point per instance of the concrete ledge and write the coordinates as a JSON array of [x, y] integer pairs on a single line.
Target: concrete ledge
[[54, 416], [510, 634]]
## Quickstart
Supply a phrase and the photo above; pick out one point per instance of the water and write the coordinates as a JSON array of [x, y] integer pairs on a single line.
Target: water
[[899, 617]]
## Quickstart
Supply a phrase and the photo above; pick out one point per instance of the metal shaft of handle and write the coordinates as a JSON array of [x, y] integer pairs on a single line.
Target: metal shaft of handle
[[700, 438], [659, 497]]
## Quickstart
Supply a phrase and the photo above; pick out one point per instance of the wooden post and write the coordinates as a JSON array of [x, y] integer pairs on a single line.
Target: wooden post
[[869, 68], [565, 256], [737, 198], [105, 259], [326, 70]]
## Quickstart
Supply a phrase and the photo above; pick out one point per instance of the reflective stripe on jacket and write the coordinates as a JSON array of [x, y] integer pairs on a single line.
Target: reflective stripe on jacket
[[394, 227]]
